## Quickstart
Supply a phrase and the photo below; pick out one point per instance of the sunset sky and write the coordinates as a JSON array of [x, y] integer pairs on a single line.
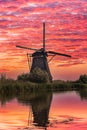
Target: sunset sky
[[66, 32]]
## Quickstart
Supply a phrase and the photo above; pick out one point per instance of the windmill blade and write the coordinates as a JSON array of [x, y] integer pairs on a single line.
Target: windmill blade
[[44, 35], [55, 53], [26, 48]]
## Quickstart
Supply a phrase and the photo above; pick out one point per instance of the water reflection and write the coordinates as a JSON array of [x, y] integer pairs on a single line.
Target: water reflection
[[6, 97], [36, 97], [83, 93], [40, 108], [44, 105], [40, 104]]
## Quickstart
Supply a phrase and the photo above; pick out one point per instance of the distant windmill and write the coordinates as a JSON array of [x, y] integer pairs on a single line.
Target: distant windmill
[[39, 57]]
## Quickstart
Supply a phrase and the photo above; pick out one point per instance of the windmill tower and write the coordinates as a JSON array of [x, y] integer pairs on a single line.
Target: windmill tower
[[39, 57]]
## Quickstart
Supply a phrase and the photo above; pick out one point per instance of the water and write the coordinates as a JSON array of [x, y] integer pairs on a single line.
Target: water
[[44, 111]]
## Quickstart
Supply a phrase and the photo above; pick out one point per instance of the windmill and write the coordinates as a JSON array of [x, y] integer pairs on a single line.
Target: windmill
[[39, 57]]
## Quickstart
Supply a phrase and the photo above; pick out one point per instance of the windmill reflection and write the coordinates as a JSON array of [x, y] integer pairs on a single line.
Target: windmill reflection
[[40, 109], [40, 105]]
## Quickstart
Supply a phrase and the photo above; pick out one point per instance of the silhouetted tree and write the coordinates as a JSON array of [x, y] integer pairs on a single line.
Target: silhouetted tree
[[3, 77], [23, 77], [38, 76], [83, 78]]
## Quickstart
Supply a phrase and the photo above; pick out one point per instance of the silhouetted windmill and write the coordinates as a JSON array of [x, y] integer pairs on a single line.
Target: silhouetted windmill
[[39, 57]]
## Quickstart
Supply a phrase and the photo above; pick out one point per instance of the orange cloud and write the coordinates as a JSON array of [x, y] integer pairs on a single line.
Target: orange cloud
[[21, 23]]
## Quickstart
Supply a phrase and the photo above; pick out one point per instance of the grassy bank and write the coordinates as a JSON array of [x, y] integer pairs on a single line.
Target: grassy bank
[[27, 91], [21, 86]]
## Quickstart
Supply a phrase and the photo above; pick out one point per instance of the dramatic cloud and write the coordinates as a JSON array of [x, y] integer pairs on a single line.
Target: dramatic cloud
[[21, 23]]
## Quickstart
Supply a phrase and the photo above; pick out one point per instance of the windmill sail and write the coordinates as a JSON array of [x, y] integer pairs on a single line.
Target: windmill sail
[[56, 53], [27, 48], [44, 36]]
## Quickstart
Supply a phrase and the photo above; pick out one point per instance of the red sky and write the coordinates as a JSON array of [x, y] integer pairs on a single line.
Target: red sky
[[66, 32]]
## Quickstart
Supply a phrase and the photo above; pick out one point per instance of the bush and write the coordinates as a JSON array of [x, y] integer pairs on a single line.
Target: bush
[[23, 77], [3, 77], [83, 78], [38, 76]]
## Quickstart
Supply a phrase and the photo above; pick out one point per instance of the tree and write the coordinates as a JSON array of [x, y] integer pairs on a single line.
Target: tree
[[3, 77], [23, 77], [38, 76], [83, 78]]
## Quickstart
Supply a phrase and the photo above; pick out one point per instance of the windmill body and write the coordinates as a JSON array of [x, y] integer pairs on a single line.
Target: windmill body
[[39, 57], [40, 60]]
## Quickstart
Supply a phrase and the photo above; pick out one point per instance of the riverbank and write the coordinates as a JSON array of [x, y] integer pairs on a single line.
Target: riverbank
[[21, 86]]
